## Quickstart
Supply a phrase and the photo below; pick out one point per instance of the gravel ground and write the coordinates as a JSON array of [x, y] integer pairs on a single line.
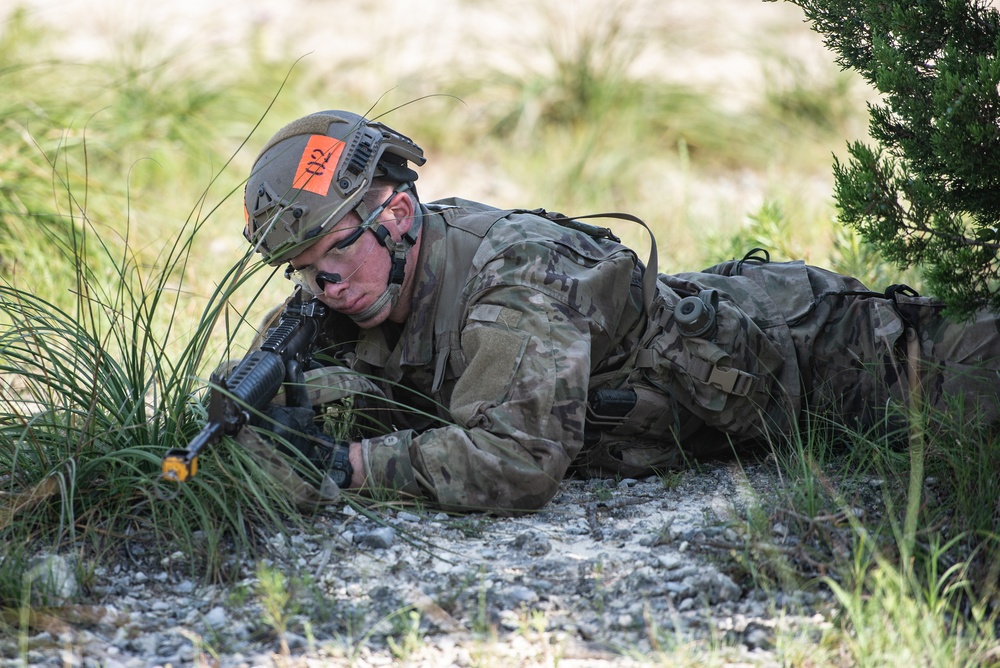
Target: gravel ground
[[608, 574]]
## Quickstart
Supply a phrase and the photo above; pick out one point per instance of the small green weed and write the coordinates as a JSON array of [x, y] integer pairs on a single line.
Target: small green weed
[[672, 480], [410, 636], [274, 592]]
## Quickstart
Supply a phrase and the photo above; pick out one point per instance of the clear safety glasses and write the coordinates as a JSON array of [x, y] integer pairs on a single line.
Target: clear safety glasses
[[312, 280]]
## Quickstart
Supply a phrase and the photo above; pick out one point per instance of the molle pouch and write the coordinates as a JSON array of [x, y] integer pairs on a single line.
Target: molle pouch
[[632, 431], [633, 411], [715, 359]]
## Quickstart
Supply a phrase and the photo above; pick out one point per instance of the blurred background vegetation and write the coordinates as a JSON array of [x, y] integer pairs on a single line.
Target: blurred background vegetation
[[130, 127]]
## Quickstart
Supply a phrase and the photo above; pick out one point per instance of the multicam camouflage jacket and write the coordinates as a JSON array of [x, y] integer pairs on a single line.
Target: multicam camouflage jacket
[[530, 352]]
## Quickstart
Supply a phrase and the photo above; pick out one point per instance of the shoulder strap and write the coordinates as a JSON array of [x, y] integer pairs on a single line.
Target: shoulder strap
[[463, 240]]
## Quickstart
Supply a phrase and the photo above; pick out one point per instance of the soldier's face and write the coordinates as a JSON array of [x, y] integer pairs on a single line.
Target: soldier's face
[[332, 259], [350, 271]]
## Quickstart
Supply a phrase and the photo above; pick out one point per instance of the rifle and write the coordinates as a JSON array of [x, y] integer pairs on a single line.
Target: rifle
[[254, 382]]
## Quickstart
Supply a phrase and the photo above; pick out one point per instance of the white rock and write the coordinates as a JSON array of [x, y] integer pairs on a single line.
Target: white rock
[[216, 617]]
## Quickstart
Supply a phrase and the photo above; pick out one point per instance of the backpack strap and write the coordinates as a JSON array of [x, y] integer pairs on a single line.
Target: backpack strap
[[463, 240]]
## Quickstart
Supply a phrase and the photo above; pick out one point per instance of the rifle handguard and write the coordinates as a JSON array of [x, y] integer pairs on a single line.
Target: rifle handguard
[[252, 385]]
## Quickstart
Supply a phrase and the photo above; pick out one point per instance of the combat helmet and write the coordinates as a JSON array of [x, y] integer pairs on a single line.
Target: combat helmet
[[316, 170]]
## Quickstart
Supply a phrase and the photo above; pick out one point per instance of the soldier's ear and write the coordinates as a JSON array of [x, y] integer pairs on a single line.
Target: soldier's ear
[[401, 209]]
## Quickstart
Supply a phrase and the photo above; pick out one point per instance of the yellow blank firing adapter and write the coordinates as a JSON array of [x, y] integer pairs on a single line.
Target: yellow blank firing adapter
[[179, 466]]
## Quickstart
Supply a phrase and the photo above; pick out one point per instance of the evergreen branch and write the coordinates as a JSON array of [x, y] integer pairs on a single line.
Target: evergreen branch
[[930, 194]]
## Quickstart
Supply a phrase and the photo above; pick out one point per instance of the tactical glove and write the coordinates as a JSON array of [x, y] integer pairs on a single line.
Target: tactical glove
[[294, 426]]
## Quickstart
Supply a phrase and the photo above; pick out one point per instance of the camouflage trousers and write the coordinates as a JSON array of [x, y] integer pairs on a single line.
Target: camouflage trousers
[[876, 358], [794, 344]]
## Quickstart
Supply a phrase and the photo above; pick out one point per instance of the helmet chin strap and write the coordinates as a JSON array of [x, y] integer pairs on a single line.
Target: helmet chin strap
[[390, 296], [398, 250]]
